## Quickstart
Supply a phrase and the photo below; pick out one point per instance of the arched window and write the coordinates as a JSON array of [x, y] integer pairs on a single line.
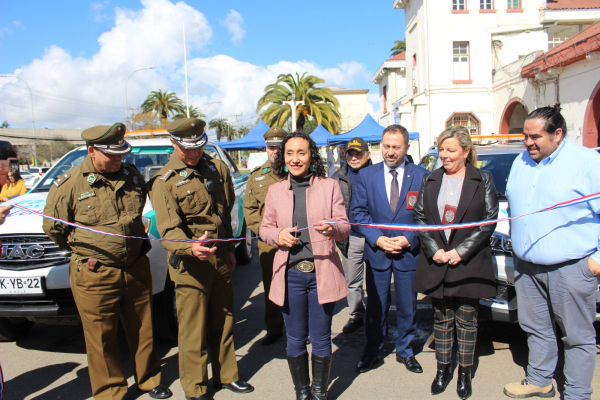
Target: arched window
[[465, 119]]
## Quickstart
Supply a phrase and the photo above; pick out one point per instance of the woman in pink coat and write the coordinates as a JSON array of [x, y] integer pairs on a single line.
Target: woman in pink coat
[[307, 272]]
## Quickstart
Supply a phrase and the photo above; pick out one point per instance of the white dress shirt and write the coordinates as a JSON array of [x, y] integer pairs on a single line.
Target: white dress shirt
[[388, 178]]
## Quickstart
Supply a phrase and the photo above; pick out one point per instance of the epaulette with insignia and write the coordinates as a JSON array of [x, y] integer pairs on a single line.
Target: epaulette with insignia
[[61, 179], [166, 175]]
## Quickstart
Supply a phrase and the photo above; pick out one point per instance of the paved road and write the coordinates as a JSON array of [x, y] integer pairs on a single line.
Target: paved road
[[50, 362]]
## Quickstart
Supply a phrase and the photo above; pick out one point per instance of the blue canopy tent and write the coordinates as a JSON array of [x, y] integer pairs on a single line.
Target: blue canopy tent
[[254, 140], [320, 136], [368, 129]]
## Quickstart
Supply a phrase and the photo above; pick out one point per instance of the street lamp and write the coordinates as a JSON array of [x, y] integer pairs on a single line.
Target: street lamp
[[127, 83], [35, 159]]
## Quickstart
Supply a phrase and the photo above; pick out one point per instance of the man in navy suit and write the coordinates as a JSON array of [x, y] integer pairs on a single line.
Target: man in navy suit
[[386, 193]]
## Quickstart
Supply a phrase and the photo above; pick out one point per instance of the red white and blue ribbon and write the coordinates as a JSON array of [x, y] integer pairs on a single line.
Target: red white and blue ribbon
[[396, 227]]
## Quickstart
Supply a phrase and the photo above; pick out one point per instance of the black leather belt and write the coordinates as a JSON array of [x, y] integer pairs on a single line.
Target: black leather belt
[[302, 266]]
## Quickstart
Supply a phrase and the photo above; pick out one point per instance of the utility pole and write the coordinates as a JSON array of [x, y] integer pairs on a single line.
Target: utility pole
[[237, 129]]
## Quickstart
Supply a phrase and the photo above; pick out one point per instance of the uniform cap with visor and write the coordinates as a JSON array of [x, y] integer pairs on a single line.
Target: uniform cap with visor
[[108, 139], [188, 133], [274, 136]]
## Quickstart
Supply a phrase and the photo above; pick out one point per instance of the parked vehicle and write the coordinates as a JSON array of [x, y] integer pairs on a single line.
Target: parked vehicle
[[40, 270], [498, 159]]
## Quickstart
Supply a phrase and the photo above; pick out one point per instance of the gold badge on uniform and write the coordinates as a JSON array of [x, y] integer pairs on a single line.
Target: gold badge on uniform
[[91, 179], [183, 174]]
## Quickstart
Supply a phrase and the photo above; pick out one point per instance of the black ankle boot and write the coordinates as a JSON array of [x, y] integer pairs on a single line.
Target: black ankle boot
[[321, 367], [463, 387], [299, 370], [442, 378]]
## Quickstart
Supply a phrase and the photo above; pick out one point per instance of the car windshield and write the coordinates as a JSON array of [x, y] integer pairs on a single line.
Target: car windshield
[[499, 165], [149, 160]]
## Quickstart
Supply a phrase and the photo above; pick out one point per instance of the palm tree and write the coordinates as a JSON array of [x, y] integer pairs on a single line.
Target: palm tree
[[317, 102], [243, 131], [398, 48], [220, 125], [194, 112], [162, 104]]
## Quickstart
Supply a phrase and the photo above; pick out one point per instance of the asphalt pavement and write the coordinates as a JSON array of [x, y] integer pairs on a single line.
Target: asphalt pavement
[[50, 362]]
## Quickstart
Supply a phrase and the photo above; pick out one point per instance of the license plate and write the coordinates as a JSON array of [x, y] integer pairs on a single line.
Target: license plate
[[31, 285]]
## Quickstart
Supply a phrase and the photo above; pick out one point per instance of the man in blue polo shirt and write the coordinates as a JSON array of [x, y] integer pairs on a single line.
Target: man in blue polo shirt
[[557, 257]]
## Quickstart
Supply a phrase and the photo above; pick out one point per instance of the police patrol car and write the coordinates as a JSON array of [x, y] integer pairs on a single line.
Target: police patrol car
[[34, 272]]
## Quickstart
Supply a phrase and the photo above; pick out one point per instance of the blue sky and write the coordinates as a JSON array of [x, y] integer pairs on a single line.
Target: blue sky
[[77, 55]]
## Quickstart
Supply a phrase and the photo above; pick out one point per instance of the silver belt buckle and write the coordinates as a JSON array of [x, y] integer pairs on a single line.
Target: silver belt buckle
[[305, 266]]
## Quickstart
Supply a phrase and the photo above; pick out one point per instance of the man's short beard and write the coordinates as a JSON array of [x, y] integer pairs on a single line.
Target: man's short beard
[[395, 165]]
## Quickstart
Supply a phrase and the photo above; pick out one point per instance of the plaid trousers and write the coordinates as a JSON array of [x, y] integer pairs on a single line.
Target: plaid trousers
[[448, 313]]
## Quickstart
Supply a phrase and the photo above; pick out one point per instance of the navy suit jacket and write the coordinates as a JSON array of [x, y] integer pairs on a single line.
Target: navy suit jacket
[[370, 204]]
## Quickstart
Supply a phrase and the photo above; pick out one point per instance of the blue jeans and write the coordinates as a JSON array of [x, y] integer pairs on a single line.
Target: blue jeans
[[302, 314], [565, 294]]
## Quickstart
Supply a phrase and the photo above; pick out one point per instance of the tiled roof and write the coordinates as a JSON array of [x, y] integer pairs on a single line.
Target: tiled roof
[[568, 52], [401, 56], [571, 4]]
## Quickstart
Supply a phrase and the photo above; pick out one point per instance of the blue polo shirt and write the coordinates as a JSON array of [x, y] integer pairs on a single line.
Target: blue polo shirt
[[568, 233]]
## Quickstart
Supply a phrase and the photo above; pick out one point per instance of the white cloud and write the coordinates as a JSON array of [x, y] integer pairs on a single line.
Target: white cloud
[[234, 24], [373, 106], [78, 92]]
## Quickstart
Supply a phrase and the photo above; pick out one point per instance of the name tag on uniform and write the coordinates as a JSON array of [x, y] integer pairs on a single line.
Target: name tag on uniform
[[85, 195], [411, 200], [260, 178], [183, 182]]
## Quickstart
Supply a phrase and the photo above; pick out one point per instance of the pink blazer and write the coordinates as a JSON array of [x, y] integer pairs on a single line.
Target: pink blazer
[[323, 201]]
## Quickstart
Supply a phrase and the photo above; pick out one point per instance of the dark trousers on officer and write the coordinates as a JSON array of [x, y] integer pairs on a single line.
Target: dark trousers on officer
[[451, 312], [204, 296], [102, 296], [304, 315], [273, 317]]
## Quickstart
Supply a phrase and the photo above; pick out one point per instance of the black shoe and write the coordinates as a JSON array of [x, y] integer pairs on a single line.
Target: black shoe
[[235, 387], [366, 363], [270, 338], [321, 368], [442, 378], [160, 392], [352, 325], [299, 371], [411, 364], [203, 397], [463, 386]]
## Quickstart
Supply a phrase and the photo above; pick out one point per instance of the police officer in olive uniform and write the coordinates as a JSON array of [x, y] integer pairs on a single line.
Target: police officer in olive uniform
[[193, 196], [254, 204], [110, 275]]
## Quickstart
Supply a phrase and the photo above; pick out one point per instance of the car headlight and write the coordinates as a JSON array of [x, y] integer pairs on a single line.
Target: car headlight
[[501, 243]]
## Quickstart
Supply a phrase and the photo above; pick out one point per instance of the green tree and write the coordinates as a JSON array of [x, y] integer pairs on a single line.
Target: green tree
[[162, 104], [398, 48], [220, 125], [142, 121], [194, 112], [317, 102], [5, 125], [243, 131]]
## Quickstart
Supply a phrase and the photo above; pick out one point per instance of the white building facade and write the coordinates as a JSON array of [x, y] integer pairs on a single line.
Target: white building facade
[[353, 106], [464, 57]]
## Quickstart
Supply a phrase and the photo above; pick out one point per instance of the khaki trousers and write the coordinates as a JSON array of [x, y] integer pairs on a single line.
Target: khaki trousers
[[102, 296], [204, 295], [273, 317]]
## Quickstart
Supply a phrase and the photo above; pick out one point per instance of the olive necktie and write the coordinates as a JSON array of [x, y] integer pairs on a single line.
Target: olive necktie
[[394, 191]]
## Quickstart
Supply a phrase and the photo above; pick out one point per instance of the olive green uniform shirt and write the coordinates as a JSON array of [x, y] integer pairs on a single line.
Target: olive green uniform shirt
[[86, 197], [256, 192], [183, 206]]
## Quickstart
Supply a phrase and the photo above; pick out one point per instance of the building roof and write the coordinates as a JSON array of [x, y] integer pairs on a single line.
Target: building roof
[[341, 90], [571, 4], [570, 51], [401, 56]]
